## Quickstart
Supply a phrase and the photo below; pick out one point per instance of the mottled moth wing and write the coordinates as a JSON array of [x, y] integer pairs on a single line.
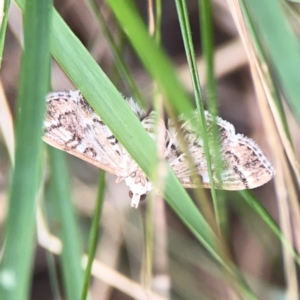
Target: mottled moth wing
[[248, 167], [72, 126], [243, 165]]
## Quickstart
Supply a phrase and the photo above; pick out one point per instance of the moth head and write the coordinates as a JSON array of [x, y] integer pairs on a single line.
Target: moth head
[[139, 186]]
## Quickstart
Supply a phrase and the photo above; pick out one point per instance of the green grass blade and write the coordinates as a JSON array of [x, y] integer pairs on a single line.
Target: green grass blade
[[94, 234], [109, 104], [190, 53], [16, 264], [283, 47], [151, 55], [207, 38], [69, 231], [119, 61], [3, 27], [53, 275]]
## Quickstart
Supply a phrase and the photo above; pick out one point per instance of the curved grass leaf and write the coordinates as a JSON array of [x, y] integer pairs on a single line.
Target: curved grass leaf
[[109, 104], [16, 264]]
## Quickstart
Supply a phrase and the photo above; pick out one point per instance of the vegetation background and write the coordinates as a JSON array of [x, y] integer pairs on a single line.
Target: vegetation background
[[174, 249]]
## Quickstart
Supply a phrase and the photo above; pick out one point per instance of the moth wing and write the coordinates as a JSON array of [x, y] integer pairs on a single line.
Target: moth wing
[[247, 166], [178, 161], [71, 125], [243, 165]]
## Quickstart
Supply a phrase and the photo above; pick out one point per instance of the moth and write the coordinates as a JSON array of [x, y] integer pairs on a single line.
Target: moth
[[73, 126]]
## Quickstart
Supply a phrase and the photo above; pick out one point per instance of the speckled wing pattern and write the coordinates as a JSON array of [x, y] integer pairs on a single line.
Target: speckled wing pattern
[[72, 125], [243, 165]]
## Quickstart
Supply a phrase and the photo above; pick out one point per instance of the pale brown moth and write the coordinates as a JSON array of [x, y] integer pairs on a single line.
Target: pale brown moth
[[72, 126]]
